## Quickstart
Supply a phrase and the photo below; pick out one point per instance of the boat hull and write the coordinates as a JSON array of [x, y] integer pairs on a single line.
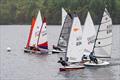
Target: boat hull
[[69, 68], [103, 63], [35, 52]]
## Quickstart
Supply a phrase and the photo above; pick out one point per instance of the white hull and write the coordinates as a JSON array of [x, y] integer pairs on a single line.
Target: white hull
[[101, 63], [71, 67]]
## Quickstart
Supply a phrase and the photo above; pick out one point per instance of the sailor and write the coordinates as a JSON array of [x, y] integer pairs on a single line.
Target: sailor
[[62, 41], [93, 58], [84, 58], [64, 63], [56, 48], [34, 48]]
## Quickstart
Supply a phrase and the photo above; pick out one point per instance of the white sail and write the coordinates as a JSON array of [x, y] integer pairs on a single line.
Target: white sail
[[36, 29], [104, 38], [64, 14], [89, 35], [42, 40], [74, 49]]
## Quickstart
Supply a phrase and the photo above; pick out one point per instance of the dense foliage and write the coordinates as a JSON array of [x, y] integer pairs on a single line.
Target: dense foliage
[[21, 11]]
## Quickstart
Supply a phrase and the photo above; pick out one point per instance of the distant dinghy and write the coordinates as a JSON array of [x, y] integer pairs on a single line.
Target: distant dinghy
[[65, 31], [37, 40]]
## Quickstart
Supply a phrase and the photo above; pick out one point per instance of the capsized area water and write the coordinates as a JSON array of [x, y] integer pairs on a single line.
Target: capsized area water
[[17, 65]]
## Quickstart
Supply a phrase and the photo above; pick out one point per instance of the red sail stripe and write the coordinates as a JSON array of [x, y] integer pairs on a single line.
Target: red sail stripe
[[43, 44], [30, 33]]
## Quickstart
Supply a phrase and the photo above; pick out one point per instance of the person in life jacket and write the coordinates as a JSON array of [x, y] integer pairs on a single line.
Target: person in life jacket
[[64, 63], [34, 48], [84, 58], [93, 58]]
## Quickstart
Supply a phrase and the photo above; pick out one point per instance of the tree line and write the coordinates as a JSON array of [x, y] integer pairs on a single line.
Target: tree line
[[21, 11]]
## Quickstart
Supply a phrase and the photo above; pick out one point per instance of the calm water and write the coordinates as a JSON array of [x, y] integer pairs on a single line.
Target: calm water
[[17, 65]]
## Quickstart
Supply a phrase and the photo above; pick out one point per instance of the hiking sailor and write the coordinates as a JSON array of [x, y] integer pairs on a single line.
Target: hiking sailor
[[64, 63], [93, 58]]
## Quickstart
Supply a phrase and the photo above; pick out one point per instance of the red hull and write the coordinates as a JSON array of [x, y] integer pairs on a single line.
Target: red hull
[[69, 69]]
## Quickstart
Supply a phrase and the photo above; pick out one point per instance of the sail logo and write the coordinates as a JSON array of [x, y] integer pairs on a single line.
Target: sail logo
[[78, 41], [91, 39], [76, 29], [36, 33]]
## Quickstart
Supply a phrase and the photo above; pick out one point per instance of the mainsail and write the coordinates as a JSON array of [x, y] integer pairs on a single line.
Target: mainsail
[[74, 48], [89, 35], [103, 42], [64, 14], [30, 33], [36, 29], [63, 38], [42, 39]]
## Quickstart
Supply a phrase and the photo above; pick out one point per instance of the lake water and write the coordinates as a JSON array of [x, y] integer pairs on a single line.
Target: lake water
[[17, 65]]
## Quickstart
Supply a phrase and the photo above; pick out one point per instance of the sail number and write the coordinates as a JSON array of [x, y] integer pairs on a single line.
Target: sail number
[[78, 41], [109, 29], [91, 39], [44, 33]]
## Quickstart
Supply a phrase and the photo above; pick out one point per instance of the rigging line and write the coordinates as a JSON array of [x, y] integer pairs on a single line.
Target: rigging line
[[105, 30]]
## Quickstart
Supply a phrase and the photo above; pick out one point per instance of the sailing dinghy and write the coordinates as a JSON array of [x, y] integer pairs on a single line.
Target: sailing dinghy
[[65, 31], [74, 46], [103, 40], [37, 40]]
